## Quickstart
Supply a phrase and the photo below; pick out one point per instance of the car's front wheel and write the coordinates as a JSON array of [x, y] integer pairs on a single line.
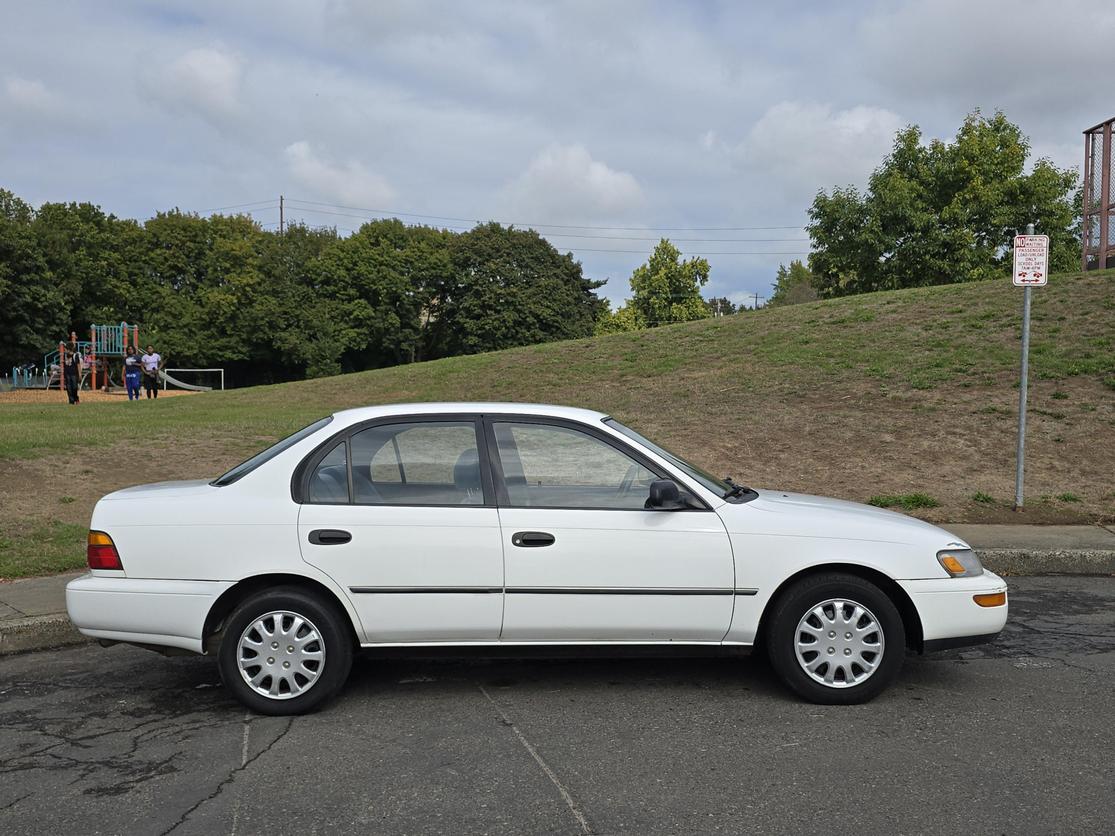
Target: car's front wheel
[[836, 639], [284, 651]]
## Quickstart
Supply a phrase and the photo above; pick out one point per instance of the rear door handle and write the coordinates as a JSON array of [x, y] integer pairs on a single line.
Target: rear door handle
[[329, 537], [532, 539]]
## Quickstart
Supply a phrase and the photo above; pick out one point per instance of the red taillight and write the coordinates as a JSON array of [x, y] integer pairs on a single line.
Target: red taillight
[[101, 552]]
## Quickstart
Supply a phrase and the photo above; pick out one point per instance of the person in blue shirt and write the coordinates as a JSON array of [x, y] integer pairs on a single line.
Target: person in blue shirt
[[133, 371]]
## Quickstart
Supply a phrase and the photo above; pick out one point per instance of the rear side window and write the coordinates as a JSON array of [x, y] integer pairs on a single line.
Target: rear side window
[[244, 468], [420, 463], [329, 482]]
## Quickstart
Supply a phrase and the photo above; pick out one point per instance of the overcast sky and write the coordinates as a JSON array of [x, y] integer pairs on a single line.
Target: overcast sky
[[637, 115]]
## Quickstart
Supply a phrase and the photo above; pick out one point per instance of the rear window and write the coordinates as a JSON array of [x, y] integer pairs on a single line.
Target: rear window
[[244, 468]]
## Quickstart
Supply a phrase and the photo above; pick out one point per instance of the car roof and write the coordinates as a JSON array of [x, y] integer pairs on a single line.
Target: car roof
[[484, 408]]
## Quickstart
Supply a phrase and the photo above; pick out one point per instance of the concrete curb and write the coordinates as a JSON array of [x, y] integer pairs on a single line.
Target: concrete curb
[[38, 632], [1012, 562]]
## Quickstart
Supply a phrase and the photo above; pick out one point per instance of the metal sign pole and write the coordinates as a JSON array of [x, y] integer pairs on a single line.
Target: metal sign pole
[[1022, 391]]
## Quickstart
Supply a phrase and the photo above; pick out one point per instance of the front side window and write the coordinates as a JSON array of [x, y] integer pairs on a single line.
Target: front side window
[[421, 463], [549, 466], [706, 479]]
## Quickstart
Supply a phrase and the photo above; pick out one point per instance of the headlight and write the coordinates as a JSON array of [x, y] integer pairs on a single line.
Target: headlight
[[960, 563]]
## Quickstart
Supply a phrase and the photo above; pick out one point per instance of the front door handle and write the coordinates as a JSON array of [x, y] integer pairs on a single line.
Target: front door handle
[[329, 537], [532, 539]]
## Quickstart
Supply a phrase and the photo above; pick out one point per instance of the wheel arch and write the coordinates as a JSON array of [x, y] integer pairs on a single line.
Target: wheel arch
[[911, 620], [243, 589]]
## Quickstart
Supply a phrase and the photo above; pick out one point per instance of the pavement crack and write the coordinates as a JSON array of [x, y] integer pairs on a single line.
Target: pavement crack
[[16, 801], [228, 779], [574, 808]]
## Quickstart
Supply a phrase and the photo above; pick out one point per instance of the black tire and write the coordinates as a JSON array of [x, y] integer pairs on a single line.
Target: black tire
[[334, 636], [799, 599]]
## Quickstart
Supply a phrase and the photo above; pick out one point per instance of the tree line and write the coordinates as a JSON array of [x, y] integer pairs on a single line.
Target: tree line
[[267, 307], [221, 291]]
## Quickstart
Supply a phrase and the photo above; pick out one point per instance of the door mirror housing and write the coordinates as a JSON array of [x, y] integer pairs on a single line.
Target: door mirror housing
[[665, 496]]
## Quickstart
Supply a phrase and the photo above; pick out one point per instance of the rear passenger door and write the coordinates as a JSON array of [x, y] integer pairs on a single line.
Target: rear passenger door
[[401, 514]]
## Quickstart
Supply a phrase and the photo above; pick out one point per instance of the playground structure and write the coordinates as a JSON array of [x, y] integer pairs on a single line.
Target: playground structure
[[105, 342]]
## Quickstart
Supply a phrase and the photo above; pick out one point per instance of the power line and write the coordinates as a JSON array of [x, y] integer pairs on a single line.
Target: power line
[[392, 213], [581, 235], [688, 252], [239, 206], [618, 237]]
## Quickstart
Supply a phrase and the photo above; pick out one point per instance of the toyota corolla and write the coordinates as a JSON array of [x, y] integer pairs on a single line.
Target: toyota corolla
[[474, 524]]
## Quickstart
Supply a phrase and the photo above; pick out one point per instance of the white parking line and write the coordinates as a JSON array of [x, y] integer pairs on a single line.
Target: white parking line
[[569, 802]]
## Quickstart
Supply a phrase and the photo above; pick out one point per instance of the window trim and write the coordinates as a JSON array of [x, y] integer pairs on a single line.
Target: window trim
[[503, 499], [299, 483]]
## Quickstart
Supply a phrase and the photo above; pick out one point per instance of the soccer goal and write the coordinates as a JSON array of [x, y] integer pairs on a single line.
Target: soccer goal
[[195, 380]]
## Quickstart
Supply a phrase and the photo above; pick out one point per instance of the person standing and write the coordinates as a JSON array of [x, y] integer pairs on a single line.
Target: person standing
[[152, 362], [133, 371], [71, 369]]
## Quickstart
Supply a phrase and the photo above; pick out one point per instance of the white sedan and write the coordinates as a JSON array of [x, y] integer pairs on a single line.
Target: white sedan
[[474, 524]]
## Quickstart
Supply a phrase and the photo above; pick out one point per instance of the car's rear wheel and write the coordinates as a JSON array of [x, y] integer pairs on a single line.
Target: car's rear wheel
[[285, 651], [836, 639]]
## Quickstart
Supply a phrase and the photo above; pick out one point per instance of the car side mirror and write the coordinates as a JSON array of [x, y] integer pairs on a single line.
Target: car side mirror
[[664, 496]]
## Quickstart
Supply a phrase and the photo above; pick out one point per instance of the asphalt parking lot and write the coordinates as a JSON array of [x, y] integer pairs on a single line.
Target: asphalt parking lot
[[1014, 737]]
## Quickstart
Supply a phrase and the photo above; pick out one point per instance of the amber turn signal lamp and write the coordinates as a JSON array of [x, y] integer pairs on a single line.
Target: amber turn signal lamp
[[992, 599], [952, 565], [101, 552]]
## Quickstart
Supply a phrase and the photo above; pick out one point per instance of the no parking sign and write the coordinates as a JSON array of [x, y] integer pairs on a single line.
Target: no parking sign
[[1031, 260]]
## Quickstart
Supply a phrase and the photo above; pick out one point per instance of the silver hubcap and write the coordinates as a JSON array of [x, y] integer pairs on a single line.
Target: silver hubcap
[[839, 643], [281, 655]]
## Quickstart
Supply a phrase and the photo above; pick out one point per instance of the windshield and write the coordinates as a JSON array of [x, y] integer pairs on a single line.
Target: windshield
[[707, 480], [244, 468]]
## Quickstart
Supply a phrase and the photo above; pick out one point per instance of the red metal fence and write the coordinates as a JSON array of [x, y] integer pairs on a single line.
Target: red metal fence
[[1099, 199]]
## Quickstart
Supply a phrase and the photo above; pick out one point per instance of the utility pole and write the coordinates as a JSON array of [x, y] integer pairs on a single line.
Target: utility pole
[[280, 214], [755, 307]]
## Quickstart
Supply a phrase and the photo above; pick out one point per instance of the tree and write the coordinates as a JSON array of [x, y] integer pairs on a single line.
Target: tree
[[33, 313], [511, 287], [624, 318], [667, 289], [721, 306], [792, 285], [941, 213]]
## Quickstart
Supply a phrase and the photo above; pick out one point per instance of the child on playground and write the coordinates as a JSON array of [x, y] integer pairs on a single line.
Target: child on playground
[[132, 372], [151, 362]]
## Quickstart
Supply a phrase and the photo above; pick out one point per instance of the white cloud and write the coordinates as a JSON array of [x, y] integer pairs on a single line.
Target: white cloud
[[31, 95], [349, 183], [810, 146], [564, 182], [206, 80]]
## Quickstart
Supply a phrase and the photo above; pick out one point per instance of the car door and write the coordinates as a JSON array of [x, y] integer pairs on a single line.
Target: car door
[[401, 514], [585, 561]]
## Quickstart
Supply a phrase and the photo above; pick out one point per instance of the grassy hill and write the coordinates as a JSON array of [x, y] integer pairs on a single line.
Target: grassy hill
[[907, 396]]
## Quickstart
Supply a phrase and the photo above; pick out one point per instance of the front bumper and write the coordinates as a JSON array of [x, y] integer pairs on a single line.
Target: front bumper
[[949, 615], [165, 613]]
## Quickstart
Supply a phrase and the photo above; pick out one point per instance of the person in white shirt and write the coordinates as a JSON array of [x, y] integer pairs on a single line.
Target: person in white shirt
[[152, 362]]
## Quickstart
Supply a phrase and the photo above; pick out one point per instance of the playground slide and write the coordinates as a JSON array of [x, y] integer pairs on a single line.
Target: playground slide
[[173, 381]]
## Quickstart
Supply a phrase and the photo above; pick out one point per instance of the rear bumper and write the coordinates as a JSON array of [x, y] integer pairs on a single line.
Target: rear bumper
[[949, 615], [165, 613]]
